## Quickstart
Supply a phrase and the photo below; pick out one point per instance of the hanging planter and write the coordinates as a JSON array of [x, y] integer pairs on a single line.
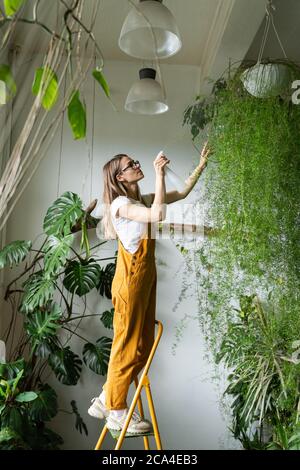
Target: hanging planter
[[266, 80]]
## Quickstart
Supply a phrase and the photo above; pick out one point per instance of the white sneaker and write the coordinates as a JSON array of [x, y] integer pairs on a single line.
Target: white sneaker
[[136, 425], [98, 408]]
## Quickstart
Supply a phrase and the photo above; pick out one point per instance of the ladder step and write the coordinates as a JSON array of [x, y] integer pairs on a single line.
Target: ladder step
[[116, 434]]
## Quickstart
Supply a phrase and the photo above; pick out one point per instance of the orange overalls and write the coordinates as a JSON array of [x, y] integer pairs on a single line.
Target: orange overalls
[[134, 300]]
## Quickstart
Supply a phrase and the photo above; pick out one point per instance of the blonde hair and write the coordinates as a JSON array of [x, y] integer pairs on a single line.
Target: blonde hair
[[112, 188]]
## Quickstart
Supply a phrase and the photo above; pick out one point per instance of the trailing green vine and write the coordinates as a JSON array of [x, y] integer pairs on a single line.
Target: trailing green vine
[[253, 194]]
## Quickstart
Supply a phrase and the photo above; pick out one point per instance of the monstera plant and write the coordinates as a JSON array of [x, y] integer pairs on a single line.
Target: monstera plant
[[43, 296]]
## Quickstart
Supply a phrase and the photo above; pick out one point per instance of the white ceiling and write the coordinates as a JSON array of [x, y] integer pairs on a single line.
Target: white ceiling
[[212, 31]]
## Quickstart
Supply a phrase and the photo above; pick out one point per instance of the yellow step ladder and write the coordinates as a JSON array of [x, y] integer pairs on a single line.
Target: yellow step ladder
[[143, 382]]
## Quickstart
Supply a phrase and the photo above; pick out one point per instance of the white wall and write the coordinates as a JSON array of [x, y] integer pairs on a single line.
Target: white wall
[[185, 397]]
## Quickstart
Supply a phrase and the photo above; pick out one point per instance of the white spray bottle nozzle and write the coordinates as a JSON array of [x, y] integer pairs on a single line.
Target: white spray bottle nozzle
[[171, 176], [160, 154]]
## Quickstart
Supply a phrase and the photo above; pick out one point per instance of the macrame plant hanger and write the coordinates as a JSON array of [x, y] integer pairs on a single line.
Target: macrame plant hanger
[[269, 21]]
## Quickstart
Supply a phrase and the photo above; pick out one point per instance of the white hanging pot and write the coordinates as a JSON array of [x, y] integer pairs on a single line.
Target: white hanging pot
[[266, 80]]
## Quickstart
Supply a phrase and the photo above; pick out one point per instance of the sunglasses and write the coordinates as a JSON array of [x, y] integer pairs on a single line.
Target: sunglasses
[[132, 164]]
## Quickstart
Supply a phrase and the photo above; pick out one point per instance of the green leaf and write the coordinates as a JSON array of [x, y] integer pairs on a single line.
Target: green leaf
[[81, 278], [12, 6], [26, 396], [14, 419], [14, 253], [16, 381], [45, 406], [11, 440], [77, 116], [57, 251], [45, 81], [66, 366], [63, 214], [97, 74], [105, 281], [8, 84], [38, 291], [96, 356], [40, 325], [10, 370], [107, 318]]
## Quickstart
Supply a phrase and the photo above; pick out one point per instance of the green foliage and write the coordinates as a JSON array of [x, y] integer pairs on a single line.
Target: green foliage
[[46, 83], [12, 6], [63, 214], [99, 77], [42, 326], [6, 77], [77, 116], [252, 192], [96, 356], [107, 318], [66, 365], [106, 277], [82, 277], [44, 408], [22, 412], [14, 253], [25, 401], [38, 290], [57, 251]]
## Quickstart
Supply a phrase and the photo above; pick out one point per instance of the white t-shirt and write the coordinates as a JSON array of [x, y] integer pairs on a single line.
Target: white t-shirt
[[130, 232]]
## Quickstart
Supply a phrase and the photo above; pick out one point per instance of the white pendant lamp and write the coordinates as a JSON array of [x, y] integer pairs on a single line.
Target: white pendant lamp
[[146, 96], [139, 39]]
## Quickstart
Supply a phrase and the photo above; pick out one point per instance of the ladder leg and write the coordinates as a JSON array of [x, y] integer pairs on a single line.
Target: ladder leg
[[140, 407], [101, 438], [144, 381], [153, 416]]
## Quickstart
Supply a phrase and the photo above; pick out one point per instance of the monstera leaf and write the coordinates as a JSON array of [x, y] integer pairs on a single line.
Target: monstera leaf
[[66, 365], [46, 346], [38, 290], [14, 253], [96, 356], [107, 274], [40, 325], [82, 277], [44, 407], [63, 214], [107, 318], [57, 250]]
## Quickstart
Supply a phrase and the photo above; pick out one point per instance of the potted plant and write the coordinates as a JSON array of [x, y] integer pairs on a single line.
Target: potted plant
[[251, 186], [48, 312]]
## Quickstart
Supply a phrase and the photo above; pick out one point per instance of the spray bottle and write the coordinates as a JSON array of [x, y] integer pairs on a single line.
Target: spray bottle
[[174, 180]]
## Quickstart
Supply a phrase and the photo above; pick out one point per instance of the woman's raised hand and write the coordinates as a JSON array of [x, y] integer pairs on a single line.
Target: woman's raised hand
[[204, 155], [160, 162]]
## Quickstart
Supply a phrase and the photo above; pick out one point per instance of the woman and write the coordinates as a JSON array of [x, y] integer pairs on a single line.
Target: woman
[[132, 216]]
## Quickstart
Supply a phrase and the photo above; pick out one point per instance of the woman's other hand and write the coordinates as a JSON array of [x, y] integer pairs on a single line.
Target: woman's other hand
[[204, 155], [160, 162]]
